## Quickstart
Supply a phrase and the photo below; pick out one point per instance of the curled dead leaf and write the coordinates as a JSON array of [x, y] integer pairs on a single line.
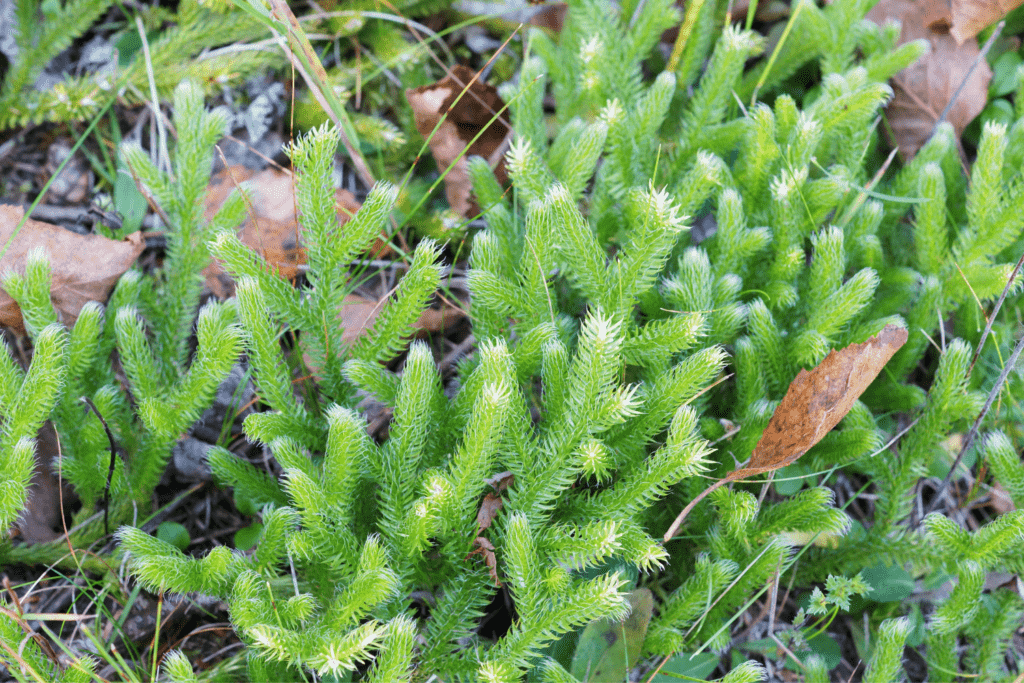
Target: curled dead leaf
[[83, 268], [924, 89], [490, 506], [461, 121], [501, 481], [815, 402], [492, 503], [485, 549]]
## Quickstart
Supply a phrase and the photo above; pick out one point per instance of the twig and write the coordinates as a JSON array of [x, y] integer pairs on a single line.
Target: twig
[[678, 522], [456, 353], [969, 439], [862, 194], [54, 214], [113, 461], [774, 599]]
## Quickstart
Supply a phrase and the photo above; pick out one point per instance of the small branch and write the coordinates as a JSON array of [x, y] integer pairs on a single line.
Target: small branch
[[686, 510], [113, 462]]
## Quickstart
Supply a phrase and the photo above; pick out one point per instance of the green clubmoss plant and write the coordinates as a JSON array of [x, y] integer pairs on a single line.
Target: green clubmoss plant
[[170, 383], [43, 30]]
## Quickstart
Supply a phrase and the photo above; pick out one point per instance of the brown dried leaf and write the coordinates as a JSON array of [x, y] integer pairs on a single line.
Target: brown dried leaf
[[358, 314], [925, 88], [83, 267], [1001, 501], [814, 403], [551, 16], [460, 122], [271, 228], [501, 481], [971, 16], [490, 506], [817, 400], [486, 549]]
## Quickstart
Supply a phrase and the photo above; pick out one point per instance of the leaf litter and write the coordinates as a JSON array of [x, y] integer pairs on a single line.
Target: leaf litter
[[952, 74], [815, 402], [83, 268], [458, 120], [969, 17], [490, 506]]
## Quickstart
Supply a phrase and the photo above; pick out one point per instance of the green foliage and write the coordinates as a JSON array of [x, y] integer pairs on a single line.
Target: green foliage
[[43, 30], [32, 663], [169, 388], [38, 42], [596, 400], [27, 398], [886, 659], [263, 294]]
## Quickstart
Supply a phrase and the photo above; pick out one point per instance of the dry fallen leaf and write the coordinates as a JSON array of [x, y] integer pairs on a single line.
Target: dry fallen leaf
[[550, 16], [486, 549], [490, 506], [460, 123], [925, 88], [501, 481], [492, 503], [271, 228], [971, 16], [358, 314], [814, 403], [83, 267], [1001, 501]]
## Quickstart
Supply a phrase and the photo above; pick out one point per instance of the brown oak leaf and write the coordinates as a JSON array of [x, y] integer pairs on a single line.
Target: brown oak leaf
[[460, 122], [83, 268], [971, 16], [814, 403], [924, 89]]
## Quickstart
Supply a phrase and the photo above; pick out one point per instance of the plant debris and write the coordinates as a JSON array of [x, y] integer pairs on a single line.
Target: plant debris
[[83, 268], [927, 87], [464, 108], [814, 403]]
